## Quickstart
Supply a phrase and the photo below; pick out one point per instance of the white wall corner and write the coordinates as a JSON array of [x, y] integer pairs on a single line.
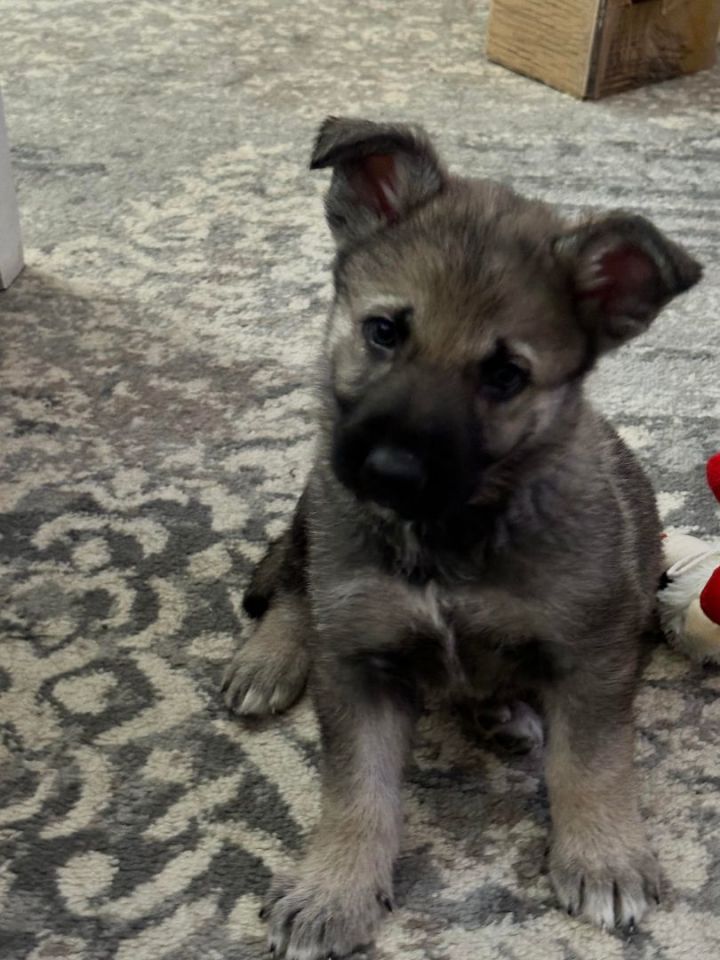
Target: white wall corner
[[11, 252]]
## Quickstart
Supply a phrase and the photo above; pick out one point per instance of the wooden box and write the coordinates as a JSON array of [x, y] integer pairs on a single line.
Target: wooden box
[[591, 48]]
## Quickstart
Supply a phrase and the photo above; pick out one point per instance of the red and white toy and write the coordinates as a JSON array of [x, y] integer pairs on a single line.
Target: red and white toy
[[689, 604]]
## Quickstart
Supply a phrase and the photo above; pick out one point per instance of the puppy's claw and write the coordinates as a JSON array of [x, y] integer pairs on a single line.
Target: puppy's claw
[[617, 904], [652, 890], [253, 703], [385, 901]]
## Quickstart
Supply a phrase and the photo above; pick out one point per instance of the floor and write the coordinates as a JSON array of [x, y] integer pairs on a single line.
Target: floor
[[156, 411]]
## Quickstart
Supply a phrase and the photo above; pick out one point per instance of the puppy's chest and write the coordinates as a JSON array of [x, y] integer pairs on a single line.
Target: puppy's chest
[[456, 640]]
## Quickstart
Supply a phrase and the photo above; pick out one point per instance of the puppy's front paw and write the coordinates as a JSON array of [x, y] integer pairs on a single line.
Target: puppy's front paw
[[610, 887], [313, 919]]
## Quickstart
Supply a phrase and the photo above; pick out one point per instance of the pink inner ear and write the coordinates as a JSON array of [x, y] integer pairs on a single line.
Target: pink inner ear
[[374, 181], [620, 273]]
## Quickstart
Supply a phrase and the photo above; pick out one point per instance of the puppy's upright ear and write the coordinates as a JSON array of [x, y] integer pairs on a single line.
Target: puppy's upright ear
[[622, 271], [380, 173]]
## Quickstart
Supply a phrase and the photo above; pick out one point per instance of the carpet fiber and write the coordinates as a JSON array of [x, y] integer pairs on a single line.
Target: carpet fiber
[[157, 425]]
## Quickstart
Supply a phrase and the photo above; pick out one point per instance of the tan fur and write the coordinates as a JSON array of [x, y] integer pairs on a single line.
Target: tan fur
[[601, 865], [336, 901], [268, 674]]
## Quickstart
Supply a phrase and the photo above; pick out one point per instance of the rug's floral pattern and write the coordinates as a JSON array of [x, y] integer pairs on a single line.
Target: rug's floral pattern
[[157, 424]]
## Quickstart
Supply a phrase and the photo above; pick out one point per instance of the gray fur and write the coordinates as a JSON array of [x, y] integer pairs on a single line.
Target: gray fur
[[348, 146], [544, 579]]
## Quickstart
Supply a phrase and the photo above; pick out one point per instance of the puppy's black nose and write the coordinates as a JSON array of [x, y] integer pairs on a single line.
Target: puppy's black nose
[[394, 477]]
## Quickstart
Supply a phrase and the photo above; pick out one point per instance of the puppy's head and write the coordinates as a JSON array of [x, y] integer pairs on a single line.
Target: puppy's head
[[465, 319]]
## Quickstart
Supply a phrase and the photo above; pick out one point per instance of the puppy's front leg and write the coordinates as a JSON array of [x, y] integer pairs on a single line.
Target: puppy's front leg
[[344, 885], [600, 863]]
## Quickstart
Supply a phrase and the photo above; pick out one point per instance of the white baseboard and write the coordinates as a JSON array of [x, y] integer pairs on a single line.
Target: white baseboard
[[11, 253]]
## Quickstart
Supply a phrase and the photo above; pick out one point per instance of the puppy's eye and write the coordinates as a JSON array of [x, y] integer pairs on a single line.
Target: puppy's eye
[[503, 379], [383, 332]]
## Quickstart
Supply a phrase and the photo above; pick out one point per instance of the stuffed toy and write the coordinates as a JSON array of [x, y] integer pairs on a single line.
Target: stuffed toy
[[689, 599]]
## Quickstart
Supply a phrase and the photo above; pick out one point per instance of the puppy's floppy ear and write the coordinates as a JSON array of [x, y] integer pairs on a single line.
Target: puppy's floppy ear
[[380, 173], [623, 271]]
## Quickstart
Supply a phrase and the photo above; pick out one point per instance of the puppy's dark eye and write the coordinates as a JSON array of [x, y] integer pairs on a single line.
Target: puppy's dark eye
[[503, 379], [383, 332]]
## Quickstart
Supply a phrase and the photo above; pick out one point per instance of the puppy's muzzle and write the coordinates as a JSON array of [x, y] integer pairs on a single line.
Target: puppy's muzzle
[[411, 444]]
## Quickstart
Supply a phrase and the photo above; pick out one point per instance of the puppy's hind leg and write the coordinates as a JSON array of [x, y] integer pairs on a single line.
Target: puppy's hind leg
[[268, 674], [511, 726], [283, 568]]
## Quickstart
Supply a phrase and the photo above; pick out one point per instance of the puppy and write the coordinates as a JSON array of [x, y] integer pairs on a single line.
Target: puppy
[[470, 524]]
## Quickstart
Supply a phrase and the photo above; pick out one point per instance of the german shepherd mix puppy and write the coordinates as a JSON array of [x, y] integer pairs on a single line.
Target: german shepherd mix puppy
[[470, 525]]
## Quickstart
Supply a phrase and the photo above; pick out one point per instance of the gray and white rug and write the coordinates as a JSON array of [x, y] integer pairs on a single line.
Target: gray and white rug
[[157, 425]]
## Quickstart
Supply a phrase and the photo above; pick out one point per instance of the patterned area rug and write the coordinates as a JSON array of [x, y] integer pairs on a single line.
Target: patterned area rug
[[157, 425]]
